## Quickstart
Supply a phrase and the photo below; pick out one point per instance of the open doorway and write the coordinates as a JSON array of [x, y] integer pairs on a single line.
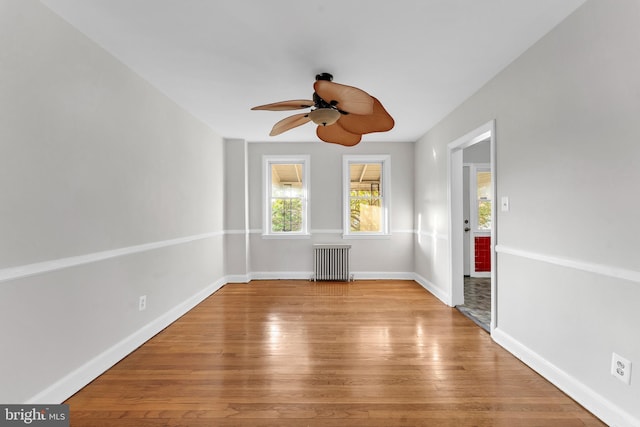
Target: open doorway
[[477, 206], [472, 225]]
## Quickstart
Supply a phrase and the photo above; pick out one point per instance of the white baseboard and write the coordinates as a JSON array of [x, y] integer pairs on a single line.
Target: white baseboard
[[480, 274], [280, 275], [601, 407], [76, 380], [437, 292], [238, 278], [307, 275], [382, 275]]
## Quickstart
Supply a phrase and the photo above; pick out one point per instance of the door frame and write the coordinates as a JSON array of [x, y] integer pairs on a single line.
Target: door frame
[[455, 214]]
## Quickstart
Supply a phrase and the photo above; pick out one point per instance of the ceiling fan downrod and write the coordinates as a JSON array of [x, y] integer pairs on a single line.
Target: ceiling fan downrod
[[324, 76]]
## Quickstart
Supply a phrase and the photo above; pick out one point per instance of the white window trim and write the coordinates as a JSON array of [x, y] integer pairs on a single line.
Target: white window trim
[[385, 159], [267, 161]]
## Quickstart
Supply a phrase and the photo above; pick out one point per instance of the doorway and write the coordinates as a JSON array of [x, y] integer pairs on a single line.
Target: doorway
[[466, 229], [478, 205]]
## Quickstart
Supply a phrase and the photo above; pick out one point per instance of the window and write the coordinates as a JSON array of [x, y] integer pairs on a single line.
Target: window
[[482, 203], [286, 192], [366, 182]]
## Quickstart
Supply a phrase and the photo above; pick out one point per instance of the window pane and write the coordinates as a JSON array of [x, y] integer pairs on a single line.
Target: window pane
[[286, 215], [286, 180], [365, 179], [285, 210], [366, 214], [484, 200], [484, 215], [365, 196], [483, 178]]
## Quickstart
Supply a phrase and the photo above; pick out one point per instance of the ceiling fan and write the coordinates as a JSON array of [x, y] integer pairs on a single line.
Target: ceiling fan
[[343, 113]]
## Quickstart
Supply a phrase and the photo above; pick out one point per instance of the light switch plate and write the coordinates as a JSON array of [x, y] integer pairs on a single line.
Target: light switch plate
[[504, 204]]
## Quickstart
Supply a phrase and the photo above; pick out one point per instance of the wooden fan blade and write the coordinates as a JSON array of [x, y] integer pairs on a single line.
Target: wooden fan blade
[[378, 121], [294, 104], [337, 135], [345, 98], [289, 123]]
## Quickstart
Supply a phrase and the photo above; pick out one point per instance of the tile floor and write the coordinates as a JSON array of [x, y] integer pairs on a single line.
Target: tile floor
[[477, 301]]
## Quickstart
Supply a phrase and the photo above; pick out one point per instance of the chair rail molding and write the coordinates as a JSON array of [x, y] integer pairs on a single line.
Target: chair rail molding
[[602, 269], [27, 270]]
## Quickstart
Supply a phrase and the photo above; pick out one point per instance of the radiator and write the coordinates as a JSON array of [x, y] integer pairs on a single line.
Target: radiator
[[331, 262]]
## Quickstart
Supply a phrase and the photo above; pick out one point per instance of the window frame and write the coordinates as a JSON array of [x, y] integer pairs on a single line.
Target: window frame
[[267, 162], [385, 189]]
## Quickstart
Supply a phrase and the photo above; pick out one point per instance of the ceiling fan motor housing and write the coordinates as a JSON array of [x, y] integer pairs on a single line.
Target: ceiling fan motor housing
[[321, 103]]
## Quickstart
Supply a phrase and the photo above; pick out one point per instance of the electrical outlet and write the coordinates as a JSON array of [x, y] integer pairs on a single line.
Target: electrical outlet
[[621, 368], [142, 303]]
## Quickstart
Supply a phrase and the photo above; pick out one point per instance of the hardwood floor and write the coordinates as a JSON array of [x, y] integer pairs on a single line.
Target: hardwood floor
[[298, 353]]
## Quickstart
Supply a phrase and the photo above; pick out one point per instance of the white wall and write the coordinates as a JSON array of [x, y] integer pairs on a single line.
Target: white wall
[[236, 211], [282, 258], [568, 157], [108, 191]]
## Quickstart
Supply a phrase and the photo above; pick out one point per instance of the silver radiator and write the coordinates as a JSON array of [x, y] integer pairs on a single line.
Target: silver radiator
[[331, 263]]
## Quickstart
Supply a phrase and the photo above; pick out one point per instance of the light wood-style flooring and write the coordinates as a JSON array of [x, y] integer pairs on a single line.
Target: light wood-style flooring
[[298, 353]]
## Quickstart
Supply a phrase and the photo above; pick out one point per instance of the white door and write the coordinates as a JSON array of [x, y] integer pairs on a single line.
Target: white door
[[480, 207]]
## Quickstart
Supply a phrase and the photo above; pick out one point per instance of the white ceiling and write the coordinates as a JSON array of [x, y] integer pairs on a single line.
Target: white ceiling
[[219, 58]]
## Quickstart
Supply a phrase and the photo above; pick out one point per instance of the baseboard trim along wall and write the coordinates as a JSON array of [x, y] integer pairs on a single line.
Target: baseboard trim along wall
[[308, 275], [76, 380], [436, 291], [604, 270], [238, 278], [336, 231], [383, 275], [13, 273], [604, 409], [280, 275]]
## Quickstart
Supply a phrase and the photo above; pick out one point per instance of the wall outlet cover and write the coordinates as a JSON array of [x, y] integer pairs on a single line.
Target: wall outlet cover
[[621, 368], [142, 302]]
